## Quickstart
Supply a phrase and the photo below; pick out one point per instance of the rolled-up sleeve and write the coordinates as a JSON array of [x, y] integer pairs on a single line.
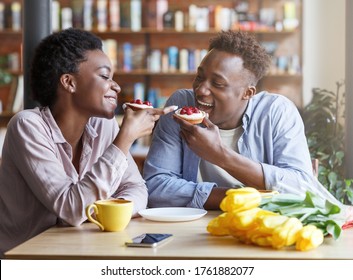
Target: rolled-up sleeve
[[282, 149]]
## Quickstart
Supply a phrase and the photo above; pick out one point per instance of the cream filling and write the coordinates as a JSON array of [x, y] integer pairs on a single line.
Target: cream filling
[[194, 116], [141, 106]]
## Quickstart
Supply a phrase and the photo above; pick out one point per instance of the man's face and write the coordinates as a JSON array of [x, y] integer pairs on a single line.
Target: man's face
[[221, 88]]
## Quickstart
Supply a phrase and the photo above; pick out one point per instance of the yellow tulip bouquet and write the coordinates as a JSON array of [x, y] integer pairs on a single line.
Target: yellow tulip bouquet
[[276, 220]]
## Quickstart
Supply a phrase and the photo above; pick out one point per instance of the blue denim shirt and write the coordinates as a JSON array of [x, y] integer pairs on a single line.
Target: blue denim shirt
[[273, 136]]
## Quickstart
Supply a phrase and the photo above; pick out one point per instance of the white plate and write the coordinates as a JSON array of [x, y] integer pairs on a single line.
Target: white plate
[[172, 214]]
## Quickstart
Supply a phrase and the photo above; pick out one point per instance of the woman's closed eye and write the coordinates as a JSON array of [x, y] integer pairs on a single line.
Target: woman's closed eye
[[105, 77]]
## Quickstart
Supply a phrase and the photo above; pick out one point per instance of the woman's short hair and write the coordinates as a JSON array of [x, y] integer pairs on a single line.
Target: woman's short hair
[[57, 54]]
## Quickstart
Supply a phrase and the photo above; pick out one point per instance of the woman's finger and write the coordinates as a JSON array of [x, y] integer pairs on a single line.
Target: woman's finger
[[162, 111]]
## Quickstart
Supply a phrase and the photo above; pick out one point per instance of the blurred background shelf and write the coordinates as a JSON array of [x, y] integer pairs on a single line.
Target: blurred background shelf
[[5, 118], [153, 52]]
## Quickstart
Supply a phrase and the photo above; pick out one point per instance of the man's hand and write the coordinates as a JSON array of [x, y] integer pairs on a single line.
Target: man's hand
[[203, 141]]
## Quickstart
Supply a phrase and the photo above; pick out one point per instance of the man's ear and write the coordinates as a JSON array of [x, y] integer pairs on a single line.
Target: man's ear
[[68, 82], [249, 92]]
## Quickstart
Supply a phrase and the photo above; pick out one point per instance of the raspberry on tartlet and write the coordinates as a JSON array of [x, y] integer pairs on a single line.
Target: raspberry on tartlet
[[138, 104], [191, 114]]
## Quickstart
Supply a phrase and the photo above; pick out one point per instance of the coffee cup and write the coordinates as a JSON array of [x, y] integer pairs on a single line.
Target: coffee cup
[[111, 215]]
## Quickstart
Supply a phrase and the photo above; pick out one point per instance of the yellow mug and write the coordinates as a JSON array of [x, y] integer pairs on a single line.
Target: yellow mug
[[112, 215]]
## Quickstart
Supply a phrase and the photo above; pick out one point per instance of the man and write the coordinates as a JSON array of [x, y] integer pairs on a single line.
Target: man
[[248, 139]]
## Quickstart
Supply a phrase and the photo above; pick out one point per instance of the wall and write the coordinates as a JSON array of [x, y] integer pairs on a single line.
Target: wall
[[349, 89], [323, 45]]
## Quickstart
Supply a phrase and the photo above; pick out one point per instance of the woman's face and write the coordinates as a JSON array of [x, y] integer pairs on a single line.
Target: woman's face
[[221, 88], [96, 94]]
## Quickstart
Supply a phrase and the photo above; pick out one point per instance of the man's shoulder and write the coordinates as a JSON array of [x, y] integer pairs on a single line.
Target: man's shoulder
[[266, 104], [265, 98], [182, 97]]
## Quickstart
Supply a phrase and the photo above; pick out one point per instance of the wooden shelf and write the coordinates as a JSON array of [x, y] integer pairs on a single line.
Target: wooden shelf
[[10, 32], [178, 73], [289, 43], [149, 73], [171, 31]]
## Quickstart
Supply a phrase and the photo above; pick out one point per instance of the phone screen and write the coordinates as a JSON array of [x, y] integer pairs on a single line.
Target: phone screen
[[149, 240]]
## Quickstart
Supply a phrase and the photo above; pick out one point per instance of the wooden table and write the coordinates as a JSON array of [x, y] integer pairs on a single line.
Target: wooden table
[[190, 241]]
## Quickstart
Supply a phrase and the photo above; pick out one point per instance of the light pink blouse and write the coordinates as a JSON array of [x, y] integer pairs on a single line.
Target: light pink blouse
[[39, 186]]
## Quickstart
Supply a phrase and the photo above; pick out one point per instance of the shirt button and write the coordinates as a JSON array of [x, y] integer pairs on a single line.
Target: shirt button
[[240, 139]]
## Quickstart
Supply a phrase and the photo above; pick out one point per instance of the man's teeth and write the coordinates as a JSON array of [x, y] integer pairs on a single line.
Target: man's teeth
[[204, 104]]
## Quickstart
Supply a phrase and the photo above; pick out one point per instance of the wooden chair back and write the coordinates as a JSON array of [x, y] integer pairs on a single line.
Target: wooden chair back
[[315, 165]]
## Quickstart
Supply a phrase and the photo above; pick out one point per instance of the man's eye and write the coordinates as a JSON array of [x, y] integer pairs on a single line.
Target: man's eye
[[105, 77], [198, 78], [217, 84]]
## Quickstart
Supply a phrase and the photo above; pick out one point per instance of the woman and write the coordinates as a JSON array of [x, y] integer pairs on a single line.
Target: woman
[[68, 153]]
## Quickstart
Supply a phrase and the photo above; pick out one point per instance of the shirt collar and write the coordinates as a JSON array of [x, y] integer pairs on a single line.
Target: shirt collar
[[249, 109], [247, 114], [55, 130]]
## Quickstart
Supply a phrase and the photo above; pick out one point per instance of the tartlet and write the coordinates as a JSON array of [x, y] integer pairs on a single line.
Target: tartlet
[[191, 114], [138, 104]]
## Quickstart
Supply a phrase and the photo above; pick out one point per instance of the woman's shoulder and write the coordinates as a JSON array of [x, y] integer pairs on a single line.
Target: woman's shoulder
[[27, 114], [29, 122]]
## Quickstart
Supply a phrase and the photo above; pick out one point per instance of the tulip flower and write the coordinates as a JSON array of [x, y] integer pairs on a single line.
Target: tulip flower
[[259, 238], [244, 220], [269, 222], [239, 235], [240, 199], [286, 234], [245, 226], [274, 220], [219, 225], [309, 237]]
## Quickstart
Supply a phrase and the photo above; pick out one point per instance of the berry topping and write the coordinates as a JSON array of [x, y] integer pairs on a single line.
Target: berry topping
[[189, 110], [147, 103], [140, 102]]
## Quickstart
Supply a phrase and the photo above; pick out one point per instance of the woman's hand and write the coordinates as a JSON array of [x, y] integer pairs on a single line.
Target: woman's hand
[[137, 124]]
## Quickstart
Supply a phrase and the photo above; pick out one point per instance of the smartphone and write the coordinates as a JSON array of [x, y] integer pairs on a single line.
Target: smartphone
[[149, 240]]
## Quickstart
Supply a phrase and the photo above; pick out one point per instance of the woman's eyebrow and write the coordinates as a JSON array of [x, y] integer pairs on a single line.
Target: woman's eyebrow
[[104, 67]]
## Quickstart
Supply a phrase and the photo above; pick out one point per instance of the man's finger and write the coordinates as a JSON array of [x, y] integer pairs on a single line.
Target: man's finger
[[183, 123], [206, 122]]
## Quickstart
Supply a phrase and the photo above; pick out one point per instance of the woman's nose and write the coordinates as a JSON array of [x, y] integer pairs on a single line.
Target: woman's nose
[[115, 86]]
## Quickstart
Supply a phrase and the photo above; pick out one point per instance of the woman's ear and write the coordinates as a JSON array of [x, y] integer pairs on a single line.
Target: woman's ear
[[68, 82], [249, 92]]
